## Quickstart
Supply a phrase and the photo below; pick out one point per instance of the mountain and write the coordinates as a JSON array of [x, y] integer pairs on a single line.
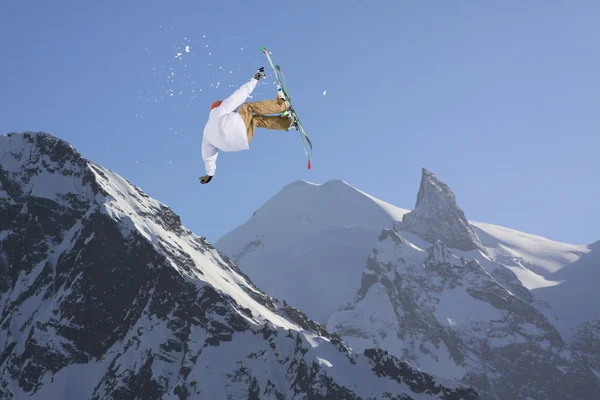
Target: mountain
[[105, 294], [310, 238], [328, 230], [464, 317], [456, 298], [450, 317]]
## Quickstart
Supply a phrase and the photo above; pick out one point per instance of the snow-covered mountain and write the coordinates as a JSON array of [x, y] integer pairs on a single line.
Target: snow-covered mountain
[[105, 294], [310, 239], [465, 310], [329, 230], [450, 317]]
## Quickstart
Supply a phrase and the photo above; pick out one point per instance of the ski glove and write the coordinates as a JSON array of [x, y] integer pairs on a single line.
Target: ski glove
[[205, 179], [260, 73]]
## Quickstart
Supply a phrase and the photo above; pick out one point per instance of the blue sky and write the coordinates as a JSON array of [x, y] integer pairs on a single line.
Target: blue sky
[[500, 99]]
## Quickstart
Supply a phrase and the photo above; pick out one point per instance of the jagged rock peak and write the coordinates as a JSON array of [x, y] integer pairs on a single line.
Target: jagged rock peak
[[437, 216]]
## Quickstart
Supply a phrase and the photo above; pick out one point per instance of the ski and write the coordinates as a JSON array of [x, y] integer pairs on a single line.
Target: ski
[[282, 85], [292, 106]]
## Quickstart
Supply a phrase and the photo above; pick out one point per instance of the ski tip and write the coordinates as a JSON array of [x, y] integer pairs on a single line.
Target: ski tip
[[308, 164]]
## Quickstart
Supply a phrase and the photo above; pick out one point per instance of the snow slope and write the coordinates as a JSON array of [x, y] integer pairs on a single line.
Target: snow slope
[[533, 257], [105, 294], [576, 299], [565, 276]]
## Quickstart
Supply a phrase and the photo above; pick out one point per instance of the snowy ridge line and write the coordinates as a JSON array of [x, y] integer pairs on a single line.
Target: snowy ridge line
[[124, 203]]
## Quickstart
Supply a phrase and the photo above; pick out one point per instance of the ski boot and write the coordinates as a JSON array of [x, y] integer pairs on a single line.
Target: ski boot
[[281, 95], [293, 120]]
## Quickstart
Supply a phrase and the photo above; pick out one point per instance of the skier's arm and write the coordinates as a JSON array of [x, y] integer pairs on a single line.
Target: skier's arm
[[239, 96], [209, 155]]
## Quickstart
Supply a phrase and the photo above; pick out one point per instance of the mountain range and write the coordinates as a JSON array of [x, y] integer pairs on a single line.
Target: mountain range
[[514, 315], [105, 294], [325, 292]]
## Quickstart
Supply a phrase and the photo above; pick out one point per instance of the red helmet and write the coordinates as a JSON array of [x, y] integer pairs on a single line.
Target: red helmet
[[215, 104]]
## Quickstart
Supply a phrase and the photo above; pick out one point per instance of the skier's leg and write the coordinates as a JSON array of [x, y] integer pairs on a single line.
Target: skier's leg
[[275, 106], [268, 122], [246, 114], [271, 122], [250, 130]]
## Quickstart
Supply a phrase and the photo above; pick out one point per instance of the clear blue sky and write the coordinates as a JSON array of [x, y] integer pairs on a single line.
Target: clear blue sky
[[500, 99]]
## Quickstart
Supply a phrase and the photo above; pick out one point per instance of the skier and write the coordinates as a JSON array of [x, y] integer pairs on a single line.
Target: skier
[[228, 130]]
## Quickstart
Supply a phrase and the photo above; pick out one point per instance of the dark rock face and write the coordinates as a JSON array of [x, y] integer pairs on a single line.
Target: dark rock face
[[437, 216], [586, 342], [384, 364], [104, 294]]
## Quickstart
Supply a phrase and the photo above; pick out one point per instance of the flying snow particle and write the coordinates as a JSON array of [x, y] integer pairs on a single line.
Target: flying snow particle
[[324, 92], [187, 49]]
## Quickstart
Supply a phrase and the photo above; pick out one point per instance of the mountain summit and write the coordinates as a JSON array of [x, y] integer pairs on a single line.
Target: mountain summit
[[297, 243], [437, 216], [105, 294]]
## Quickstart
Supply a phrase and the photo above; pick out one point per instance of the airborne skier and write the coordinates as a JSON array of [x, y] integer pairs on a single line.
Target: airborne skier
[[231, 130]]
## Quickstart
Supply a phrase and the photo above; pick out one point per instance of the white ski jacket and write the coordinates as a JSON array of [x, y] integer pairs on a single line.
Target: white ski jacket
[[225, 129]]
